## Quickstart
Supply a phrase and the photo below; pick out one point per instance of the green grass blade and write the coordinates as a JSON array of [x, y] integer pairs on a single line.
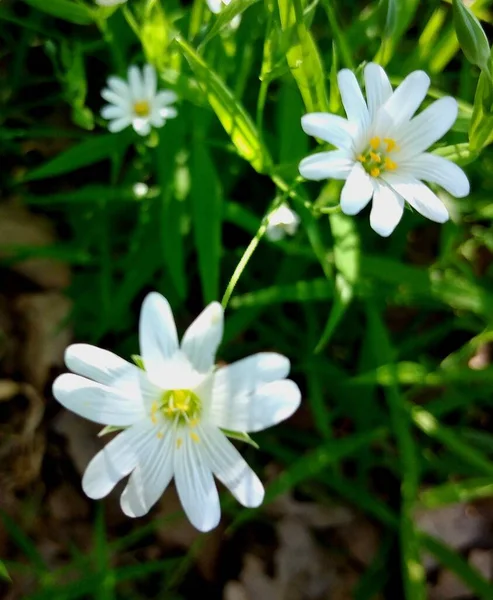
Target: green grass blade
[[303, 56], [207, 208], [233, 117], [86, 153], [455, 563], [346, 257], [413, 571], [457, 491], [64, 9], [431, 426], [171, 139], [301, 291], [227, 14]]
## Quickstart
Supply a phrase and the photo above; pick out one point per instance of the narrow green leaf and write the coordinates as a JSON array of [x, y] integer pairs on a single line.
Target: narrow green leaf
[[303, 56], [400, 13], [302, 291], [456, 564], [457, 491], [4, 574], [229, 111], [207, 198], [227, 14], [312, 463], [64, 9], [447, 436], [346, 258], [481, 128], [86, 153], [413, 571], [171, 140]]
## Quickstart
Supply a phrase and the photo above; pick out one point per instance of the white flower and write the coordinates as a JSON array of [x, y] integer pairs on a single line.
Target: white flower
[[216, 6], [381, 148], [173, 413], [281, 222], [109, 2], [137, 102]]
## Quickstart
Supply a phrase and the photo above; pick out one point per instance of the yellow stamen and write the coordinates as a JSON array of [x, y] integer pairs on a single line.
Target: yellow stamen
[[142, 108], [375, 172], [194, 436], [375, 157], [390, 165], [375, 142], [361, 158], [194, 422], [391, 144], [160, 435], [154, 409], [179, 442]]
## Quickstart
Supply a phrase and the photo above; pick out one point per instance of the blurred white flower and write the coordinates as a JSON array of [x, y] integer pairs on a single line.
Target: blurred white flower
[[215, 6], [109, 2], [137, 102], [381, 148], [173, 413], [281, 222]]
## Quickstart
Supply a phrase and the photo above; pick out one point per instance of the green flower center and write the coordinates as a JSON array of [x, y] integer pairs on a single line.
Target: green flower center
[[180, 406]]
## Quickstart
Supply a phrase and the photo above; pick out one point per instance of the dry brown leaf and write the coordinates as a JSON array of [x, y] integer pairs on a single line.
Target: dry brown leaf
[[42, 318], [460, 526], [361, 538], [82, 438], [19, 227]]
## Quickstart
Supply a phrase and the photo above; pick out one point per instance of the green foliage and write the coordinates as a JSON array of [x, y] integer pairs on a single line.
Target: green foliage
[[383, 335]]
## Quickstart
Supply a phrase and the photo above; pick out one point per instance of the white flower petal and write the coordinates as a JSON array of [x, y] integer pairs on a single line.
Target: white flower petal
[[152, 474], [149, 81], [155, 118], [357, 191], [97, 402], [168, 112], [436, 169], [116, 460], [242, 399], [266, 406], [230, 467], [377, 86], [136, 83], [353, 100], [103, 367], [195, 483], [114, 98], [119, 124], [214, 6], [330, 128], [428, 127], [142, 126], [386, 210], [420, 197], [157, 334], [402, 105], [119, 86], [202, 338], [335, 164], [166, 97], [110, 111]]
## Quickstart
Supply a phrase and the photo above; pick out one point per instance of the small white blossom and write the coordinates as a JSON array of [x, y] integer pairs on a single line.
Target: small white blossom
[[137, 102], [173, 413], [381, 148], [281, 222], [109, 2]]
